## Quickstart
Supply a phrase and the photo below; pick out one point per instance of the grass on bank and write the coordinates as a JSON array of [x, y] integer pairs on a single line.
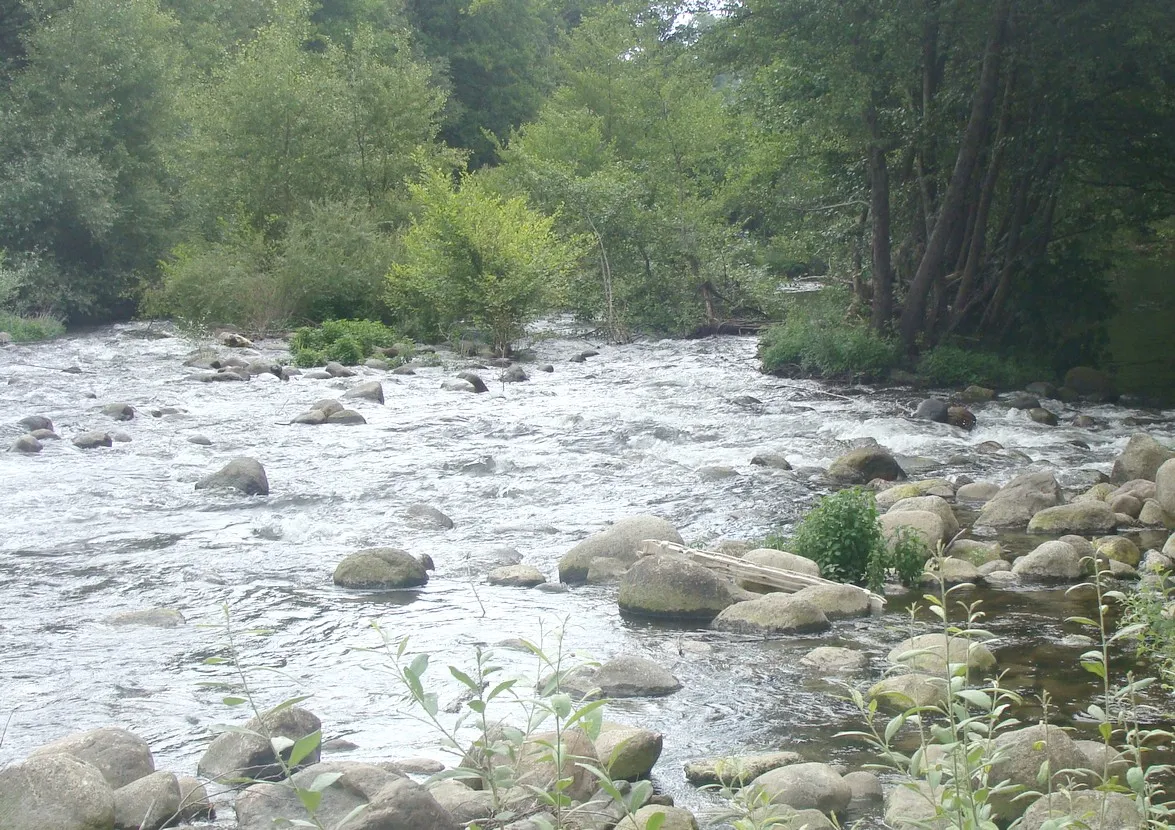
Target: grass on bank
[[26, 329], [348, 342]]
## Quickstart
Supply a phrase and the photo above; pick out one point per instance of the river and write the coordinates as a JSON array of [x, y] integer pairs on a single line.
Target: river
[[533, 466]]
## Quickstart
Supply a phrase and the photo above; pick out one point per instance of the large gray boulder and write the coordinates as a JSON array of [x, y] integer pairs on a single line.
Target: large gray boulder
[[628, 752], [194, 803], [772, 614], [148, 803], [771, 558], [244, 474], [931, 504], [1141, 458], [380, 569], [926, 526], [736, 771], [392, 800], [632, 676], [1054, 561], [862, 465], [930, 653], [670, 587], [462, 802], [1019, 755], [911, 806], [248, 754], [120, 756], [119, 411], [93, 440], [27, 444], [1080, 517], [55, 792], [809, 786], [537, 768], [32, 423], [427, 517], [837, 601], [835, 660], [620, 541], [890, 496], [905, 691], [1093, 809], [1021, 499], [1165, 487], [372, 390], [668, 818]]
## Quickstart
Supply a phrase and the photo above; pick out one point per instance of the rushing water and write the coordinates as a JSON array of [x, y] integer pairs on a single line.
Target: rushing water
[[535, 466]]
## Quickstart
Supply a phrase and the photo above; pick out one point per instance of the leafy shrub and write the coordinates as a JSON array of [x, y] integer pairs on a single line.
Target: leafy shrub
[[950, 365], [345, 341], [816, 338], [842, 534], [24, 329]]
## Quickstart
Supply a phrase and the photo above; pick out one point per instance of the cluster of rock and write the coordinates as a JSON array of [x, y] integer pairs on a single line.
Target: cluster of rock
[[39, 428], [103, 779]]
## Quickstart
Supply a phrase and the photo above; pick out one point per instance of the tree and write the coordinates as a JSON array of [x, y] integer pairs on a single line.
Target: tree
[[470, 256]]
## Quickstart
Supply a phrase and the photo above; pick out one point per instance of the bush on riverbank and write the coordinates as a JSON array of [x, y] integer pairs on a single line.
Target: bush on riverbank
[[950, 365], [26, 329], [348, 342]]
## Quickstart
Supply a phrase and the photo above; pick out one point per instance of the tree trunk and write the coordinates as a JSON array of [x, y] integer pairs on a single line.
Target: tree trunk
[[882, 310], [932, 263]]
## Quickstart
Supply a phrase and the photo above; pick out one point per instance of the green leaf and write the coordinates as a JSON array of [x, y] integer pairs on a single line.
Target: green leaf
[[418, 666], [310, 799], [561, 704], [287, 704], [465, 679], [655, 821], [233, 701], [304, 747], [324, 780]]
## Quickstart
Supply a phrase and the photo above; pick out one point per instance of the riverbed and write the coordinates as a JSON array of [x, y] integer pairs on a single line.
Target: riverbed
[[534, 466]]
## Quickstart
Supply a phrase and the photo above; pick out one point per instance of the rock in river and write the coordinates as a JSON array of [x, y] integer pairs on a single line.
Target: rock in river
[[381, 569], [864, 464], [670, 587], [244, 474], [620, 541]]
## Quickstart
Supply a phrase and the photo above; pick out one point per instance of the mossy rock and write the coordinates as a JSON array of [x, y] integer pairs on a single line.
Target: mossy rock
[[380, 568], [1119, 549]]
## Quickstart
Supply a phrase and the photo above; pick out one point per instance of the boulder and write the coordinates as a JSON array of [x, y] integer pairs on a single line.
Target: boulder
[[457, 385], [55, 792], [244, 474], [977, 553], [474, 380], [1043, 416], [911, 806], [149, 617], [670, 587], [806, 786], [933, 504], [913, 489], [905, 691], [1105, 762], [1140, 488], [119, 756], [1078, 517], [770, 459], [200, 440], [1001, 579], [380, 569], [772, 614], [1152, 514], [1094, 810], [194, 804], [997, 566], [865, 464], [834, 660], [932, 409], [248, 754], [837, 602], [1022, 400], [620, 541], [716, 472], [372, 390], [327, 406], [771, 558], [625, 676], [337, 370], [32, 423], [864, 785], [977, 394], [26, 444], [1091, 384], [233, 340], [1019, 500], [669, 818], [628, 752], [119, 411], [516, 576], [605, 570], [952, 572], [1019, 755], [1051, 561], [979, 491], [735, 771], [925, 525], [1141, 459], [150, 803], [929, 653], [92, 440], [427, 517], [462, 802], [392, 800], [962, 417], [514, 374], [1165, 487], [313, 417], [536, 767], [49, 435], [346, 417], [1118, 549], [1127, 504]]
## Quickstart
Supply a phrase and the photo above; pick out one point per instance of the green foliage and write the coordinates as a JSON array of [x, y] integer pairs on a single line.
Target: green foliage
[[348, 342], [949, 365], [23, 328], [906, 556], [819, 337], [472, 257]]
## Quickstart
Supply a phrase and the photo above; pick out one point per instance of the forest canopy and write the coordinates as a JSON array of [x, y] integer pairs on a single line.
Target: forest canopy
[[961, 172]]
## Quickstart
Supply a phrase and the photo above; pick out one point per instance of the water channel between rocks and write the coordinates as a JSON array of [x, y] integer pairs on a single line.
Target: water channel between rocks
[[536, 466]]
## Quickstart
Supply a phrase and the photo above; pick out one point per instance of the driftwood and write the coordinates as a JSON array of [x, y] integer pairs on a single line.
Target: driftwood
[[783, 580]]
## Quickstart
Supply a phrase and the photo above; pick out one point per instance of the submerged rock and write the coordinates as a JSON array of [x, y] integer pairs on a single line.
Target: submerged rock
[[427, 517], [26, 444], [620, 541], [736, 770], [1083, 517], [244, 474], [92, 440], [772, 614]]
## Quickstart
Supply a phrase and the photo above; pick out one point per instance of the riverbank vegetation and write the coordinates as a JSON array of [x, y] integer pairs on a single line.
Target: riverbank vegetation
[[968, 173]]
